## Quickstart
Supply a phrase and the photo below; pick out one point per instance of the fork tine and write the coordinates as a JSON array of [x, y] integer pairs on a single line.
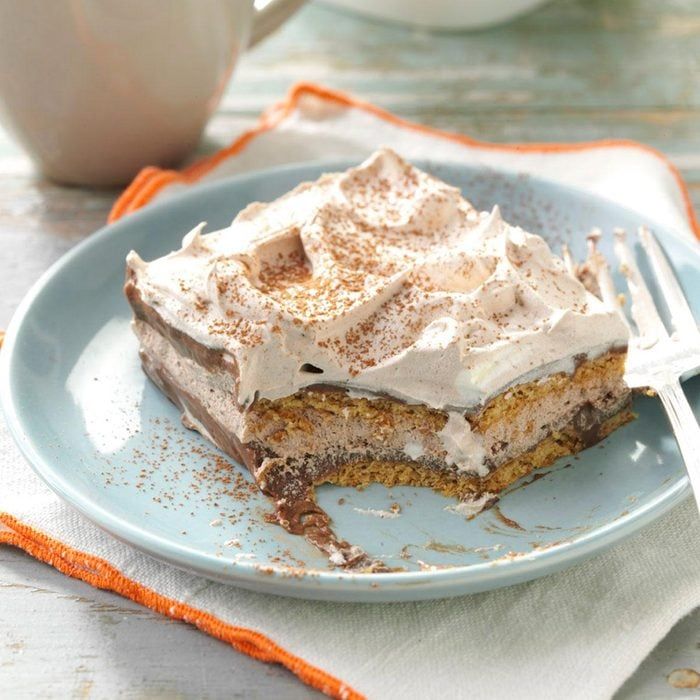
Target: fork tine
[[649, 323], [681, 315]]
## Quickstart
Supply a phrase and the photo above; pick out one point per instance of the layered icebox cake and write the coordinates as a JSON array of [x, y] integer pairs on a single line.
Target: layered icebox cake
[[373, 326]]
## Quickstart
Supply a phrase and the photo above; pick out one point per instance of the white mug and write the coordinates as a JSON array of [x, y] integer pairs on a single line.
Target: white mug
[[96, 89]]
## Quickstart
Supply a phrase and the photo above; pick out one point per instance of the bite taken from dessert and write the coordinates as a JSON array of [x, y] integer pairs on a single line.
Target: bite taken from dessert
[[373, 326]]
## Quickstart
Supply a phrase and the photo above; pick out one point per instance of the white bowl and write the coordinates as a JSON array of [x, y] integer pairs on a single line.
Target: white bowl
[[442, 14]]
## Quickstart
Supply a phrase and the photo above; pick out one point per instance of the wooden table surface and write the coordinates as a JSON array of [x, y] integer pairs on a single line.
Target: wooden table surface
[[576, 69]]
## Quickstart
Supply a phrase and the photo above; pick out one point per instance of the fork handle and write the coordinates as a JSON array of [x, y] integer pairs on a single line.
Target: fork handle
[[686, 430]]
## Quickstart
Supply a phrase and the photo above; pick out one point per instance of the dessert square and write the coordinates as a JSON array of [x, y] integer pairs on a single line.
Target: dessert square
[[373, 326]]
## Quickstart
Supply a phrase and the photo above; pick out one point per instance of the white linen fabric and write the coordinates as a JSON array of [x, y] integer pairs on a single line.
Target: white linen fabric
[[576, 634]]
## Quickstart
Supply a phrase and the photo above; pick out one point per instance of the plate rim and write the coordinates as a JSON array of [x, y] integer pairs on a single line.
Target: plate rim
[[462, 577]]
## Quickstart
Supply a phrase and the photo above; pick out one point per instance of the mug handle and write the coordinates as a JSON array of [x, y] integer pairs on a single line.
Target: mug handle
[[270, 17]]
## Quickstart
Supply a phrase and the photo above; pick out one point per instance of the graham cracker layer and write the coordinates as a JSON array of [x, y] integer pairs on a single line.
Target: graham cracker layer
[[292, 413], [608, 369], [559, 444], [325, 434]]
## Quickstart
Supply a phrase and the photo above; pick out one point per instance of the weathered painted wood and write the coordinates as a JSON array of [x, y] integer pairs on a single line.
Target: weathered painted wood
[[570, 54], [577, 69], [60, 638]]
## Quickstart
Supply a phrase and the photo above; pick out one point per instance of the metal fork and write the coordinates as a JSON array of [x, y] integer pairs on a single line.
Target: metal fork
[[656, 360]]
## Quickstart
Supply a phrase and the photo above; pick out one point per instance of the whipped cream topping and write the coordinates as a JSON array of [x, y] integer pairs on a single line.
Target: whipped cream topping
[[382, 279]]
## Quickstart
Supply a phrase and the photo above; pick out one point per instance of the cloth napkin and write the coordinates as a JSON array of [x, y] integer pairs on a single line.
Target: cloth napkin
[[576, 634]]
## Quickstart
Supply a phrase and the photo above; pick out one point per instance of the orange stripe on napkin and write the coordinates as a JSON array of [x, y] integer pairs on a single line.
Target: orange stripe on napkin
[[151, 180], [101, 574]]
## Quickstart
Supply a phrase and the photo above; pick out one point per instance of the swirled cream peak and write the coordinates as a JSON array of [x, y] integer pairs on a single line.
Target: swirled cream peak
[[383, 279]]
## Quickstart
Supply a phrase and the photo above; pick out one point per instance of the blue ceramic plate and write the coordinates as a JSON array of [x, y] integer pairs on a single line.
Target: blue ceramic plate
[[105, 440]]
